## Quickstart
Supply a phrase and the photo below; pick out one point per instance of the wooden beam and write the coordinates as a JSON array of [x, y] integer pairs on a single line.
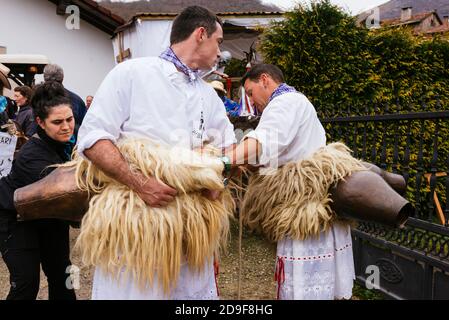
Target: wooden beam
[[124, 54], [61, 6]]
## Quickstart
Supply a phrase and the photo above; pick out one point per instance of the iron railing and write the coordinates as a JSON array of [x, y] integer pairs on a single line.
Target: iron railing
[[414, 261]]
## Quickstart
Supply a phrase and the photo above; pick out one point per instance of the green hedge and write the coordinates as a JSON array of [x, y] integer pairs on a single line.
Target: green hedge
[[340, 66], [336, 63]]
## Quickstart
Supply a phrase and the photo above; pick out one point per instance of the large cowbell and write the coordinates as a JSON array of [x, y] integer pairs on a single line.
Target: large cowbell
[[55, 196], [372, 195]]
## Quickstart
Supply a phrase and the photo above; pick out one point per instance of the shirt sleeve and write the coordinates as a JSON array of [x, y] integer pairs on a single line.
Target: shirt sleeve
[[278, 127], [109, 110], [220, 128]]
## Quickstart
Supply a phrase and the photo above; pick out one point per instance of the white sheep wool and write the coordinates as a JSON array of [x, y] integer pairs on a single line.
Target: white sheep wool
[[121, 234], [293, 200]]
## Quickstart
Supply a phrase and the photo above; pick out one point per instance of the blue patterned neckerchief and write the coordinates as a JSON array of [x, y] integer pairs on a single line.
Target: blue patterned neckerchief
[[3, 103], [68, 147], [283, 88], [170, 56]]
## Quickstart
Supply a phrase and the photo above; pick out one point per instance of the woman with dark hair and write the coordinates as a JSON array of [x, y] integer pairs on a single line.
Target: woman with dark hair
[[26, 245], [24, 118]]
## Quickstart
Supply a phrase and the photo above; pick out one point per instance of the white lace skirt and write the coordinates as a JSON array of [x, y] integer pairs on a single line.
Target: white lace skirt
[[191, 286], [316, 268]]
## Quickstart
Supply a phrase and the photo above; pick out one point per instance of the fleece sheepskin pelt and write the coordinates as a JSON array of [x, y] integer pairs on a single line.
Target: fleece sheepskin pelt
[[293, 201], [120, 233]]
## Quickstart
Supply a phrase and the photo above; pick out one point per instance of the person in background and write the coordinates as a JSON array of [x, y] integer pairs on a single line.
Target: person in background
[[24, 117], [232, 108], [89, 100], [3, 114], [7, 106], [53, 72], [4, 82], [3, 102], [26, 245], [11, 108]]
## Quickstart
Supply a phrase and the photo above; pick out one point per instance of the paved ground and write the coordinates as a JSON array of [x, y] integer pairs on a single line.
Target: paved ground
[[257, 280], [257, 276]]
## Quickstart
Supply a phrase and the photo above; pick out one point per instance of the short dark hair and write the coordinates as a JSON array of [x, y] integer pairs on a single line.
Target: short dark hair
[[191, 18], [48, 95], [25, 91], [255, 72]]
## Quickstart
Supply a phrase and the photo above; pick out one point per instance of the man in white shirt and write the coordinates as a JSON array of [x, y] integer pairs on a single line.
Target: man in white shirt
[[289, 130], [164, 99]]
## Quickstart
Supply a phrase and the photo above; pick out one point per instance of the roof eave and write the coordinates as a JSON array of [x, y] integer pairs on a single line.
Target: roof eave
[[157, 15], [93, 14]]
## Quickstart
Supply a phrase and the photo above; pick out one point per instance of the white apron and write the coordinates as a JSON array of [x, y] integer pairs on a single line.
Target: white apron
[[190, 286], [316, 268]]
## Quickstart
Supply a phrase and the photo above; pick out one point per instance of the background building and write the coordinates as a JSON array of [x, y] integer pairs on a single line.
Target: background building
[[39, 27]]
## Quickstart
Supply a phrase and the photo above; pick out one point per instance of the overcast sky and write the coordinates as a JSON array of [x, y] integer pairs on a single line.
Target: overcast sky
[[353, 6]]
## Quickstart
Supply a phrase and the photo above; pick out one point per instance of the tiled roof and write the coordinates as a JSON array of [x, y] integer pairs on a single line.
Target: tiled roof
[[440, 29], [95, 6], [127, 10], [392, 9], [93, 13], [417, 18], [221, 14]]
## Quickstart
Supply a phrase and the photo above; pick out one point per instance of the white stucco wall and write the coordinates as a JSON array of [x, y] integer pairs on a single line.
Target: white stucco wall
[[33, 27]]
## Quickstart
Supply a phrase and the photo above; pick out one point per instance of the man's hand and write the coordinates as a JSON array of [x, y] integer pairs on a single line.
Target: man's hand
[[153, 192], [156, 194]]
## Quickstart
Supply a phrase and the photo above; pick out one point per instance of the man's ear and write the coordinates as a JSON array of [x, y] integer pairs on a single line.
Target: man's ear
[[265, 79], [200, 34]]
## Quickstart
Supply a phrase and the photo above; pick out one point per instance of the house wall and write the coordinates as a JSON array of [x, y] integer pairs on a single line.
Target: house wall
[[33, 27]]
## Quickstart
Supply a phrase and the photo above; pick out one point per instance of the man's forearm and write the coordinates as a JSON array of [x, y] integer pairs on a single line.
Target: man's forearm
[[246, 153], [108, 158]]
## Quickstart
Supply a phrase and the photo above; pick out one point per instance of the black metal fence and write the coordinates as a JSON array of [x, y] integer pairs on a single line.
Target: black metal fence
[[413, 262]]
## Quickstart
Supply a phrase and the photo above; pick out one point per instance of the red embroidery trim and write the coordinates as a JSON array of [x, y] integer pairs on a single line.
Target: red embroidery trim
[[279, 275], [329, 255], [216, 272]]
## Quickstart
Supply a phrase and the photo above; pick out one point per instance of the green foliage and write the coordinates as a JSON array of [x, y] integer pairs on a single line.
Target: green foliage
[[361, 293], [236, 68], [318, 48], [410, 69], [340, 66], [324, 54]]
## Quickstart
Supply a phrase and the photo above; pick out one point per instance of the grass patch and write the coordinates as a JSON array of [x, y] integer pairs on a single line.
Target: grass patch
[[360, 292]]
